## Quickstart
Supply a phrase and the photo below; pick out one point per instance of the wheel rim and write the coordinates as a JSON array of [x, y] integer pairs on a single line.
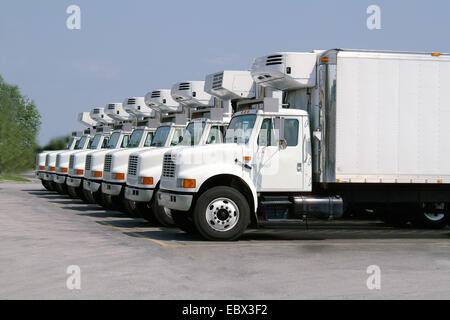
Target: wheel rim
[[434, 216], [222, 214]]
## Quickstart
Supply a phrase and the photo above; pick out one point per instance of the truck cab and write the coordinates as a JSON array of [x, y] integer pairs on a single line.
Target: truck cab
[[146, 124], [119, 138], [169, 132], [40, 160], [98, 141]]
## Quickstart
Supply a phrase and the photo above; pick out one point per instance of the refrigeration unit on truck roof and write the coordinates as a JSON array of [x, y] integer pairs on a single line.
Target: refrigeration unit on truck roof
[[86, 119], [230, 85], [161, 100], [286, 70], [191, 94], [101, 117], [138, 107], [117, 112]]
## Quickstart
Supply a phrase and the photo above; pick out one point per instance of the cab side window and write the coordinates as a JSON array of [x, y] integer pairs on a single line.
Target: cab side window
[[125, 141], [177, 137], [215, 135], [105, 143], [291, 132], [148, 139], [265, 137]]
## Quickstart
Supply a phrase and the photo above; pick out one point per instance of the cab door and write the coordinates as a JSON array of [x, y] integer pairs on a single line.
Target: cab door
[[276, 168]]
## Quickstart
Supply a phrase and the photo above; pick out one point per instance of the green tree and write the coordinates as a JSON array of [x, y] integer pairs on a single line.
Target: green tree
[[58, 143], [19, 125]]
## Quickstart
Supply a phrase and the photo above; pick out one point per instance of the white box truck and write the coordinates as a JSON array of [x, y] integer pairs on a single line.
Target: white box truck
[[146, 124], [49, 173], [62, 162], [344, 129], [173, 122], [206, 127], [118, 138]]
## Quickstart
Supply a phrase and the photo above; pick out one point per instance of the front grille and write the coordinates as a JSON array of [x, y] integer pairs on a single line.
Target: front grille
[[71, 161], [107, 166], [168, 166], [58, 161], [88, 162], [132, 165], [47, 160]]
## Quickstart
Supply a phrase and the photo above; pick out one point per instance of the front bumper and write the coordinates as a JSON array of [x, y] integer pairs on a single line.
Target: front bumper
[[40, 175], [175, 201], [60, 179], [74, 182], [48, 176], [112, 188], [139, 195], [91, 185]]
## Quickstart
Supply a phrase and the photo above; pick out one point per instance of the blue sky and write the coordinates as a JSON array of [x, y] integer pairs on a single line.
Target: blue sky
[[127, 48]]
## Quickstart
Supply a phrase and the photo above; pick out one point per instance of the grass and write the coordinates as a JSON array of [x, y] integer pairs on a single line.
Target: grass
[[8, 177]]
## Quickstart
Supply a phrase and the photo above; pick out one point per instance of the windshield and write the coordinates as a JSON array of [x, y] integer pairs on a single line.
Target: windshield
[[135, 139], [80, 143], [193, 134], [95, 142], [161, 134], [240, 129], [70, 144], [113, 140]]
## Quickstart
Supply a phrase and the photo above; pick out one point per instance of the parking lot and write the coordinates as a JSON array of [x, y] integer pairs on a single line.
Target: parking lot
[[42, 233]]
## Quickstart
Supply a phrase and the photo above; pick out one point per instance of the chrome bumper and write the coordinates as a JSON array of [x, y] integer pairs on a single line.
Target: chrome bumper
[[112, 189], [175, 201], [91, 186], [139, 195], [40, 175], [48, 176], [59, 179], [74, 182]]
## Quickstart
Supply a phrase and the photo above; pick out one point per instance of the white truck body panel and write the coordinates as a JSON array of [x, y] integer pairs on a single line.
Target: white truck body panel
[[392, 118]]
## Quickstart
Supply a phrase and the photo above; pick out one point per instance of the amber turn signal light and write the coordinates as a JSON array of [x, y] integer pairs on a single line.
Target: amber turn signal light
[[98, 174], [79, 172], [147, 180], [188, 183], [120, 176]]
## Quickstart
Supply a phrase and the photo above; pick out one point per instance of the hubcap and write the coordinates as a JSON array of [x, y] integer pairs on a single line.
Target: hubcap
[[222, 214], [433, 216]]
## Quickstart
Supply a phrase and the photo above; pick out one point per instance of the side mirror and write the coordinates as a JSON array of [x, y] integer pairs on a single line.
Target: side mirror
[[180, 138], [282, 144]]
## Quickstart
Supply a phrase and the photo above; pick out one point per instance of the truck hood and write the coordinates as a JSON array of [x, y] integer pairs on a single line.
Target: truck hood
[[79, 160], [98, 159], [64, 157]]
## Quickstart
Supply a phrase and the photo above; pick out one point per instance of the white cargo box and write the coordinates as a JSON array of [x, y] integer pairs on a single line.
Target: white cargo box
[[137, 106], [392, 118], [161, 100]]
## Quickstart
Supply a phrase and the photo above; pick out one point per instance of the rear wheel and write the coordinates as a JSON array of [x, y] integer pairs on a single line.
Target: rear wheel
[[221, 213], [431, 216], [184, 221], [61, 188]]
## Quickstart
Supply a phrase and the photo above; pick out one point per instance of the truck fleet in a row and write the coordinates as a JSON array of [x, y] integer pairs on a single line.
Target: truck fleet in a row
[[320, 134]]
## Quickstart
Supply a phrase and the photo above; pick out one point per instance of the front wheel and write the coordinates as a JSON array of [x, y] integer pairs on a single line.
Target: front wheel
[[221, 213], [183, 220], [47, 185], [61, 188]]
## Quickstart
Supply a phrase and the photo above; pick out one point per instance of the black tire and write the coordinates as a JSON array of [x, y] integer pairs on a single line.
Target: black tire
[[89, 196], [224, 215], [130, 207], [75, 192], [98, 197], [161, 214], [52, 185], [144, 210], [113, 202], [61, 188], [428, 217], [47, 185], [184, 221]]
